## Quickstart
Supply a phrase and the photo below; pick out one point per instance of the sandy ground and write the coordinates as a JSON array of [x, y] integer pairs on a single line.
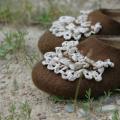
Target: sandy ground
[[16, 84]]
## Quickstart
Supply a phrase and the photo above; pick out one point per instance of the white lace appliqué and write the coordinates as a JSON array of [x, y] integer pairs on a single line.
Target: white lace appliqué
[[71, 64], [71, 27]]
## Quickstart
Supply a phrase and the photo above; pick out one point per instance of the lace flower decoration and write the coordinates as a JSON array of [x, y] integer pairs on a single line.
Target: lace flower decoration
[[71, 64], [70, 27]]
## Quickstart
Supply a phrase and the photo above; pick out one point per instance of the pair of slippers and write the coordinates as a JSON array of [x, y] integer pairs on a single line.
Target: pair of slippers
[[94, 60]]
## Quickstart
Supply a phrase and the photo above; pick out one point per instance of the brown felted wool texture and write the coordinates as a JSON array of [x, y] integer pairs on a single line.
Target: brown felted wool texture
[[48, 42], [109, 27], [52, 83]]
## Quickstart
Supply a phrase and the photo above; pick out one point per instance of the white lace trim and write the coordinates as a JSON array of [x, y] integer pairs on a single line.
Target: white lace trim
[[71, 27], [71, 64]]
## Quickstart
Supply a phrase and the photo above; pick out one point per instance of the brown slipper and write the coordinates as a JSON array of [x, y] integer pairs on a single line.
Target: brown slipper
[[109, 20], [100, 49]]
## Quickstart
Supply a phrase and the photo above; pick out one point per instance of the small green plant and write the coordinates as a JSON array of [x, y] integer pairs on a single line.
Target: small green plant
[[21, 113], [12, 112], [12, 43], [31, 58], [25, 111], [56, 98], [47, 17], [15, 85], [116, 115], [15, 16], [105, 97], [88, 94], [26, 14], [107, 94], [88, 105], [5, 15]]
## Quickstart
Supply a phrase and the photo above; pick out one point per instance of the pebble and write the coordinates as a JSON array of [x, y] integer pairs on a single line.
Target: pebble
[[81, 113], [3, 81], [108, 108], [55, 109], [69, 108], [118, 102]]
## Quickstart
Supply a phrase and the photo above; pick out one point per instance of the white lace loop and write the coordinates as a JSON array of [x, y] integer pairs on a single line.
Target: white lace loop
[[71, 64], [70, 27]]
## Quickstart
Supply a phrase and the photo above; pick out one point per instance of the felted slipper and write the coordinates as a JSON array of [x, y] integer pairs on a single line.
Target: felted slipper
[[95, 63], [100, 22]]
